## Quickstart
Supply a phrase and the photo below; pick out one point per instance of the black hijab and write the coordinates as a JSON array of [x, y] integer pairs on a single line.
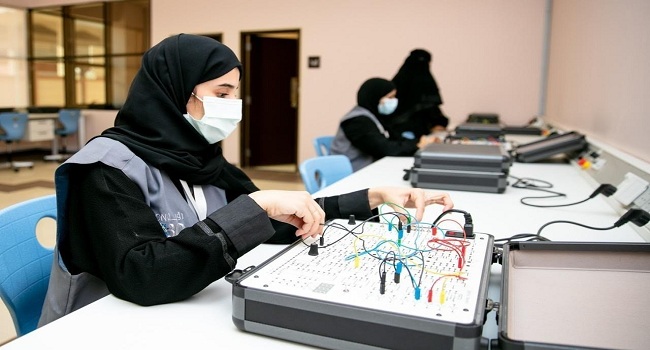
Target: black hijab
[[415, 83], [151, 122], [371, 91]]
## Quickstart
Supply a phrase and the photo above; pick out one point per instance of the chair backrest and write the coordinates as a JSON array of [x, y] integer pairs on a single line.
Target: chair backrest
[[14, 125], [320, 172], [323, 145], [69, 119], [24, 263]]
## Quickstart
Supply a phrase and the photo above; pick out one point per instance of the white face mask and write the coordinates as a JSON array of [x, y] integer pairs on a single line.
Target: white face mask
[[220, 119], [388, 106]]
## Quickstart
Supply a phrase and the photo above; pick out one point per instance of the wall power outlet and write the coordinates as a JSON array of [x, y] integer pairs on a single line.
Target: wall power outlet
[[643, 200], [630, 189]]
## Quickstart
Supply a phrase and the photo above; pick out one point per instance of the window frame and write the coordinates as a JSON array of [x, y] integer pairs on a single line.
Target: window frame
[[70, 59]]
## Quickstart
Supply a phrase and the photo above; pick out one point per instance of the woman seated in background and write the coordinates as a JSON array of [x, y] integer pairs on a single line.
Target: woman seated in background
[[361, 135], [418, 112]]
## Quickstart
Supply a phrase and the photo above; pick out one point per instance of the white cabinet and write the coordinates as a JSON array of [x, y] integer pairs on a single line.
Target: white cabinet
[[39, 130]]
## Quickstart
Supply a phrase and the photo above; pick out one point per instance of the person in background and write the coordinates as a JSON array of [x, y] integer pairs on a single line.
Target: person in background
[[152, 212], [418, 112], [362, 136]]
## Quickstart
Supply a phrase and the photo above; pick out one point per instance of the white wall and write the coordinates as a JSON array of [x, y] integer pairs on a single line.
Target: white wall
[[599, 72], [487, 54]]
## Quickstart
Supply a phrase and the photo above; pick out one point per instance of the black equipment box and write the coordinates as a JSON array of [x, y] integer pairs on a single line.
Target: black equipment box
[[466, 157], [550, 146], [336, 299], [484, 118], [522, 130], [456, 180], [463, 167], [478, 131], [561, 295]]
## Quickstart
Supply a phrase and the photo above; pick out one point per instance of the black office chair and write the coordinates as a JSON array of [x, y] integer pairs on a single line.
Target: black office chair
[[12, 129]]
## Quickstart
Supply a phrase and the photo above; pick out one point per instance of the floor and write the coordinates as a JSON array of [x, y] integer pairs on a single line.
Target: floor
[[38, 181]]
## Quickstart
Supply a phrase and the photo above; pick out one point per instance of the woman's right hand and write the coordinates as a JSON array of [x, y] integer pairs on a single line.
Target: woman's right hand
[[297, 208], [426, 139]]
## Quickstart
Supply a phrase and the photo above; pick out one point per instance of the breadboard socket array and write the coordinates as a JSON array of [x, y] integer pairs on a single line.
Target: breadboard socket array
[[415, 270]]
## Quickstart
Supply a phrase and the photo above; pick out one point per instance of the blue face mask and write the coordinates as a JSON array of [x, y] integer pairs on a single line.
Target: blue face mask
[[388, 106]]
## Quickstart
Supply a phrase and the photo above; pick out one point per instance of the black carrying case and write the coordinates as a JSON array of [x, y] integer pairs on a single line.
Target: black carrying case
[[463, 167], [554, 295], [474, 131], [292, 296], [551, 146]]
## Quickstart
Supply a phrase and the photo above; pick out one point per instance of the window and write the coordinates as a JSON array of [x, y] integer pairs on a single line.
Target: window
[[86, 55], [13, 58]]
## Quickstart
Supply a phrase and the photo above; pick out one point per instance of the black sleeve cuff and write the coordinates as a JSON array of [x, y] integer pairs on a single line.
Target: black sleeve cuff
[[342, 206], [244, 222]]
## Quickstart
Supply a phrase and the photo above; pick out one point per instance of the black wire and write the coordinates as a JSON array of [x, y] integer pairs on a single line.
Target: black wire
[[405, 266], [385, 261], [530, 183], [351, 231], [542, 186], [574, 223], [465, 214], [551, 206], [520, 236]]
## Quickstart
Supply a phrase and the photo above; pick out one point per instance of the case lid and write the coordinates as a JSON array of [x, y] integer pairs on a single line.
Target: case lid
[[467, 157], [591, 295]]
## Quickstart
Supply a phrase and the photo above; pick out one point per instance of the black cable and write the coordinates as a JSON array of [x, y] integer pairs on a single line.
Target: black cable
[[528, 237], [574, 223], [536, 185], [638, 217], [528, 183], [468, 227], [360, 225]]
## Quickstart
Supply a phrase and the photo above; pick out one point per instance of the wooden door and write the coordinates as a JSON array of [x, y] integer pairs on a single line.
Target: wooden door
[[270, 123]]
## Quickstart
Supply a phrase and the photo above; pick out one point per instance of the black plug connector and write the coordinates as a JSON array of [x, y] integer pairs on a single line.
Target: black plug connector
[[638, 217], [468, 227], [313, 249], [382, 283], [605, 189]]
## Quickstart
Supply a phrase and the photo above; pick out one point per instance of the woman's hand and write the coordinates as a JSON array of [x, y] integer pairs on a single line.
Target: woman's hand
[[408, 198], [297, 208], [426, 140]]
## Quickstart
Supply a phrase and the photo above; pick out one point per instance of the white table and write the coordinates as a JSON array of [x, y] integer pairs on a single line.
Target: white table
[[201, 322], [502, 215], [204, 321], [43, 125]]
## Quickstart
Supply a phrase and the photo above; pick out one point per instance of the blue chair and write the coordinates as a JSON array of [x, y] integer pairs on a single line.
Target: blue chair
[[320, 172], [323, 145], [24, 263], [67, 124], [12, 129]]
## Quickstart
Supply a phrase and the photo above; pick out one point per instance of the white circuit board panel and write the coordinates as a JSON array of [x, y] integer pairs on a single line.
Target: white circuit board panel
[[439, 277]]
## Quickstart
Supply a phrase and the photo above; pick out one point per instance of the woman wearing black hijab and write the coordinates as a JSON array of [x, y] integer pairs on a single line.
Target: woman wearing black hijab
[[361, 135], [150, 210], [418, 112]]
